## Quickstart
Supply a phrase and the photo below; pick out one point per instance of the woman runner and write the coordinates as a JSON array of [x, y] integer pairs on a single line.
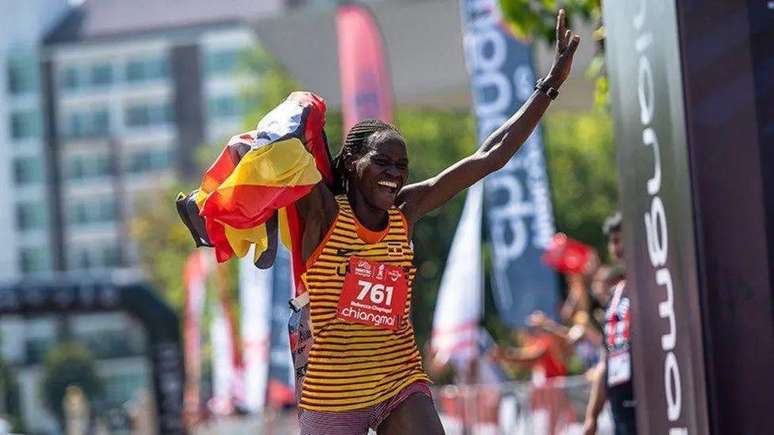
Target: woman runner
[[364, 368]]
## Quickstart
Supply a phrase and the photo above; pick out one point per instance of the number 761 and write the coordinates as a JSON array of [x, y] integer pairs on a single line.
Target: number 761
[[377, 292]]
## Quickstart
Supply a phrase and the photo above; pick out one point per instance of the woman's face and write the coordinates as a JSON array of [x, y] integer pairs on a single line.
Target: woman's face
[[382, 170]]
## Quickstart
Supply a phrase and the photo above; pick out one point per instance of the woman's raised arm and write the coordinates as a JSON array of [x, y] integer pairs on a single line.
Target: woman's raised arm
[[418, 199]]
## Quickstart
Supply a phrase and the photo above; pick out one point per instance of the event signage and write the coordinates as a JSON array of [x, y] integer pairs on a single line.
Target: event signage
[[366, 91], [280, 363], [65, 295], [518, 198], [458, 309], [646, 90]]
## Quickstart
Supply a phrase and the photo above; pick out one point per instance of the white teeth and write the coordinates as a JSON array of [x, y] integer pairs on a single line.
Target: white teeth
[[390, 184]]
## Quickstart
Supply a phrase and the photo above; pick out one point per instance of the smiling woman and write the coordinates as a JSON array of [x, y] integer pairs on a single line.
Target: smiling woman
[[364, 369]]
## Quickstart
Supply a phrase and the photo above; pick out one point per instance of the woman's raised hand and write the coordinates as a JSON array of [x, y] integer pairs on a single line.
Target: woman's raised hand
[[566, 44]]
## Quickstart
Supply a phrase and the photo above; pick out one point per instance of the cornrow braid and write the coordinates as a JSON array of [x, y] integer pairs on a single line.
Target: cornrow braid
[[354, 145]]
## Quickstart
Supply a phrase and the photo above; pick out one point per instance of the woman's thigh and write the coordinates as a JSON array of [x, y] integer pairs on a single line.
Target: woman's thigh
[[415, 415]]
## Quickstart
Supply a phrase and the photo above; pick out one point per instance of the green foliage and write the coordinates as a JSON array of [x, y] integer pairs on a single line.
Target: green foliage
[[69, 364], [536, 19], [164, 242], [583, 172], [435, 139]]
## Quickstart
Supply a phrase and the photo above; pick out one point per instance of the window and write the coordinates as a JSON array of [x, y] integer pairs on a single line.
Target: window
[[30, 216], [22, 75], [148, 160], [146, 115], [33, 259], [27, 170], [95, 256], [100, 123], [224, 107], [70, 78], [101, 74], [85, 124], [92, 211], [84, 167], [25, 124], [143, 70], [222, 61]]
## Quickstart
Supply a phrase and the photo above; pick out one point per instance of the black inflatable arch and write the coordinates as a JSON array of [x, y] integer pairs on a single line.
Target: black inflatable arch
[[71, 294]]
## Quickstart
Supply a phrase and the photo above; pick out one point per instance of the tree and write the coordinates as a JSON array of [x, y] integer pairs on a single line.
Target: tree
[[163, 241], [536, 20], [583, 172], [67, 364]]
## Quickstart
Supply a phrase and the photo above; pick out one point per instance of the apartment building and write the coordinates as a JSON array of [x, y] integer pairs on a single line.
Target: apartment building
[[24, 223], [135, 88], [102, 102]]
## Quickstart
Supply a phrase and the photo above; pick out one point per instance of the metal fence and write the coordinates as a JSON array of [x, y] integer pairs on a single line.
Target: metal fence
[[556, 407]]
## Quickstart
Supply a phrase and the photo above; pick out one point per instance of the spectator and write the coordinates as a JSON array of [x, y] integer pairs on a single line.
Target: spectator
[[612, 379]]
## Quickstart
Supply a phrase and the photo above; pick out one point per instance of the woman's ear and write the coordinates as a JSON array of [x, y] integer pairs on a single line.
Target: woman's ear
[[349, 164]]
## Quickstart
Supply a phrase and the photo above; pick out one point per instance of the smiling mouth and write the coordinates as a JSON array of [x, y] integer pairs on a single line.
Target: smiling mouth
[[390, 185]]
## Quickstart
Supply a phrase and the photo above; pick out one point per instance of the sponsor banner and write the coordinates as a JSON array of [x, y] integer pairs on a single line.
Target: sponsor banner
[[255, 287], [660, 240], [518, 198], [198, 267], [458, 308], [280, 375], [366, 91], [223, 372]]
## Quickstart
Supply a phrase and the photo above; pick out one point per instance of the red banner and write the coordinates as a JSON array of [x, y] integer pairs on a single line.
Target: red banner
[[366, 91]]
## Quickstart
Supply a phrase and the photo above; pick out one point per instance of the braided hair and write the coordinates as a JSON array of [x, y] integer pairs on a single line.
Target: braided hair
[[354, 145]]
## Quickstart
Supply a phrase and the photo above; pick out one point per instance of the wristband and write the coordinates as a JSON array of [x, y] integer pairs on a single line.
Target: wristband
[[546, 89]]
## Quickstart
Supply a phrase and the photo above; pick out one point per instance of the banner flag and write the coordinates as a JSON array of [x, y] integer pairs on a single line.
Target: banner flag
[[281, 375], [518, 198], [223, 372], [366, 91], [255, 288], [198, 267], [458, 308]]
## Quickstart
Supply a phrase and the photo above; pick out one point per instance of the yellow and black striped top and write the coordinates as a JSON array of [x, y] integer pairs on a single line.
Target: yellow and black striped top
[[353, 366]]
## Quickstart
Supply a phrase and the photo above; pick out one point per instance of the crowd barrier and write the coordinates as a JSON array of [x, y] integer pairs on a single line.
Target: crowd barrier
[[556, 407]]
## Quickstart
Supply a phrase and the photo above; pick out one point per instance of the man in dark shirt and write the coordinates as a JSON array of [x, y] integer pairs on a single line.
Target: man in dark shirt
[[612, 378]]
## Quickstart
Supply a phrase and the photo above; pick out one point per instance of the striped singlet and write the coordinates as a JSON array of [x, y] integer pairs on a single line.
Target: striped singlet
[[353, 366]]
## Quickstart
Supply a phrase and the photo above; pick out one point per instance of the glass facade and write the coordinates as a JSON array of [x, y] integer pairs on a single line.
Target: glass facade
[[27, 171], [30, 215], [25, 124], [149, 114]]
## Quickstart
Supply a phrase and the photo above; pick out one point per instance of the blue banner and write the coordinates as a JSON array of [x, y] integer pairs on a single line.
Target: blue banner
[[518, 198], [280, 370]]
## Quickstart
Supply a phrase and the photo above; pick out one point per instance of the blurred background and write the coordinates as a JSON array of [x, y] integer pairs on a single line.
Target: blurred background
[[108, 108]]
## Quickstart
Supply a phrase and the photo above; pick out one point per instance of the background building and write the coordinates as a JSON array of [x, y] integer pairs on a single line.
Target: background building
[[24, 223], [136, 87], [100, 103]]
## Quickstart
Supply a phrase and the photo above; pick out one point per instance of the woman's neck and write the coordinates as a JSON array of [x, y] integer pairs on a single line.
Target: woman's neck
[[369, 216]]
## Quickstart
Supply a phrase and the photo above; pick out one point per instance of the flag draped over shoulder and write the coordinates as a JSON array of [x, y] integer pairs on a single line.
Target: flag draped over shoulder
[[247, 196]]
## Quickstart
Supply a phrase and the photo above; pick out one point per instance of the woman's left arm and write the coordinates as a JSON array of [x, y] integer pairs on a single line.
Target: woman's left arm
[[418, 199]]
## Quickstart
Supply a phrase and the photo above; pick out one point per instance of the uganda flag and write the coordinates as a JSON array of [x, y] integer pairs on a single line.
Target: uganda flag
[[247, 196]]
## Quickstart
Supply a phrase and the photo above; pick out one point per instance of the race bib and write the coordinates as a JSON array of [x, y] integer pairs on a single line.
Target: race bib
[[374, 294], [619, 368]]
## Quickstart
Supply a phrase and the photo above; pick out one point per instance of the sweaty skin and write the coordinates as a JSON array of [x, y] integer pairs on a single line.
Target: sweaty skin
[[385, 160]]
